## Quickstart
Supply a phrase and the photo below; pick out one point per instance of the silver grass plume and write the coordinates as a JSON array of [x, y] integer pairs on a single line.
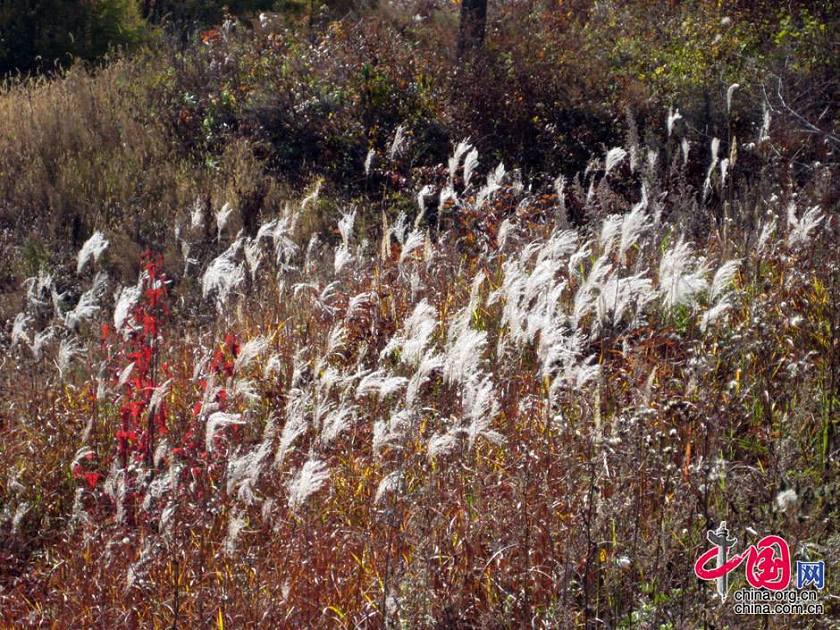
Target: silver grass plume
[[93, 248], [342, 252], [673, 116], [613, 158], [40, 341], [470, 163], [223, 275], [463, 147], [681, 276], [381, 384], [414, 337], [68, 350], [309, 480], [222, 217], [249, 352], [723, 278], [19, 329], [729, 92], [399, 143], [218, 421], [126, 301], [800, 229]]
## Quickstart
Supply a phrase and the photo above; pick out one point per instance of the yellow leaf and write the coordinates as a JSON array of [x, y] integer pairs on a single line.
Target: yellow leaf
[[220, 621]]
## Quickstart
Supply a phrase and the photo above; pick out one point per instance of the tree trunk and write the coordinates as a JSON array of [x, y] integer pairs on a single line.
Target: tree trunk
[[473, 22]]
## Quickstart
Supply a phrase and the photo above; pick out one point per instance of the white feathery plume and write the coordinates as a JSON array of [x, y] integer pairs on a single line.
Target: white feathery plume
[[68, 350], [539, 280], [586, 296], [464, 355], [561, 244], [800, 229], [559, 346], [311, 197], [244, 470], [461, 320], [253, 255], [470, 162], [81, 454], [442, 444], [38, 289], [358, 301], [222, 218], [681, 275], [125, 374], [560, 190], [617, 295], [652, 158], [390, 483], [88, 305], [285, 247], [764, 132], [613, 159], [342, 252], [40, 341], [381, 384], [94, 247], [246, 390], [19, 329], [610, 230], [272, 366], [714, 313], [400, 227], [335, 423], [218, 421], [323, 299], [481, 407], [729, 92], [223, 275], [197, 214], [447, 194], [371, 154], [416, 239], [455, 160], [685, 146], [158, 395], [390, 433], [673, 116], [249, 352], [724, 169], [723, 278], [345, 225], [335, 340], [266, 230], [634, 223], [577, 259], [429, 364], [415, 334], [126, 301], [426, 191], [309, 480], [399, 143], [767, 230], [707, 185], [297, 412], [494, 183], [504, 231]]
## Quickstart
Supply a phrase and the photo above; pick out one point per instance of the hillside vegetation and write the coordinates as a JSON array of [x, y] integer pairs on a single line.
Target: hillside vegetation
[[310, 322]]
